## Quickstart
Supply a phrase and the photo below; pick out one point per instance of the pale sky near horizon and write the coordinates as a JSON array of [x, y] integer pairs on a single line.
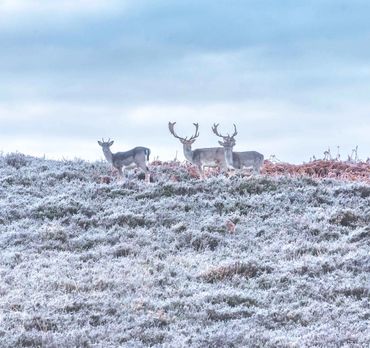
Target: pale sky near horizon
[[293, 75]]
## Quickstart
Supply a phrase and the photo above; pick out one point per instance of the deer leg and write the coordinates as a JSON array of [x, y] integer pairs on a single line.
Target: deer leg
[[232, 172], [147, 175], [120, 173], [144, 167], [256, 170], [226, 170], [201, 172]]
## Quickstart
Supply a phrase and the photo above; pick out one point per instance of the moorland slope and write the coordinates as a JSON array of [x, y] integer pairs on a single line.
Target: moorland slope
[[87, 261]]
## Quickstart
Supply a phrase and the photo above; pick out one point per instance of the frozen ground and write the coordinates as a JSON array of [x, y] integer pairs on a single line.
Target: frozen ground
[[85, 262]]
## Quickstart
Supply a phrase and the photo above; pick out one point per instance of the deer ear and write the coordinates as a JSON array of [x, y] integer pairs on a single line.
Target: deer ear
[[221, 143], [111, 143], [100, 143]]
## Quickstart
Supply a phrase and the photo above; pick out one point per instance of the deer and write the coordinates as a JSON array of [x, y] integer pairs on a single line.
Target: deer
[[138, 156], [238, 160], [204, 157]]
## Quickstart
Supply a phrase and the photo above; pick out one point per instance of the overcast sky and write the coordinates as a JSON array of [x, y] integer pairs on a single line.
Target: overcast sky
[[293, 75]]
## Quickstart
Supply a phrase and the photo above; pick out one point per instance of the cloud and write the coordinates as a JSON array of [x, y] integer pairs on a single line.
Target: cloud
[[31, 7], [31, 17], [293, 76]]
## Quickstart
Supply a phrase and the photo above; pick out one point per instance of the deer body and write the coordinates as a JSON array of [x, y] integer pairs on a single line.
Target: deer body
[[206, 157], [138, 156], [245, 159]]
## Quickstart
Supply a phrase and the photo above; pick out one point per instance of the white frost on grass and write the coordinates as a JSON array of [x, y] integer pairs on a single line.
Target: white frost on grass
[[85, 264]]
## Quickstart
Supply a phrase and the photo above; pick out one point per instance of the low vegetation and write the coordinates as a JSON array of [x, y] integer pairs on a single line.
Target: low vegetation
[[267, 261]]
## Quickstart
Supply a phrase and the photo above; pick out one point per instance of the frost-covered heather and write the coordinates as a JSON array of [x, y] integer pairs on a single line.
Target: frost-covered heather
[[86, 263], [343, 170]]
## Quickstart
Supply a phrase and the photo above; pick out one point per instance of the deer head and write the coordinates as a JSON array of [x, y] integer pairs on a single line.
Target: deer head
[[184, 141], [105, 144], [227, 140]]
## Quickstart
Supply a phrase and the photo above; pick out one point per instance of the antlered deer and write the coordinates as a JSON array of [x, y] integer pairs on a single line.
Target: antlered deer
[[238, 160], [204, 157]]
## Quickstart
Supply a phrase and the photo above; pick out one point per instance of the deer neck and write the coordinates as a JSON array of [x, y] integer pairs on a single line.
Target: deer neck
[[229, 157], [188, 153], [108, 155]]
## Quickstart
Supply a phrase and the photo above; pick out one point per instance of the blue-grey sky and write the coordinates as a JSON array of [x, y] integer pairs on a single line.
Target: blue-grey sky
[[293, 75]]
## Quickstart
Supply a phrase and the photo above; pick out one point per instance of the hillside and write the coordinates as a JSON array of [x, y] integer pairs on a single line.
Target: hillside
[[270, 261]]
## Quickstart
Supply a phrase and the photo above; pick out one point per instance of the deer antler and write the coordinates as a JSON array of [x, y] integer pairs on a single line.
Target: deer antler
[[235, 131], [196, 134], [171, 127], [215, 130]]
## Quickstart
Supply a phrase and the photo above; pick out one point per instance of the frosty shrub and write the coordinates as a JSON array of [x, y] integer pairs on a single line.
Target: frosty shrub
[[16, 160], [246, 270], [276, 260]]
